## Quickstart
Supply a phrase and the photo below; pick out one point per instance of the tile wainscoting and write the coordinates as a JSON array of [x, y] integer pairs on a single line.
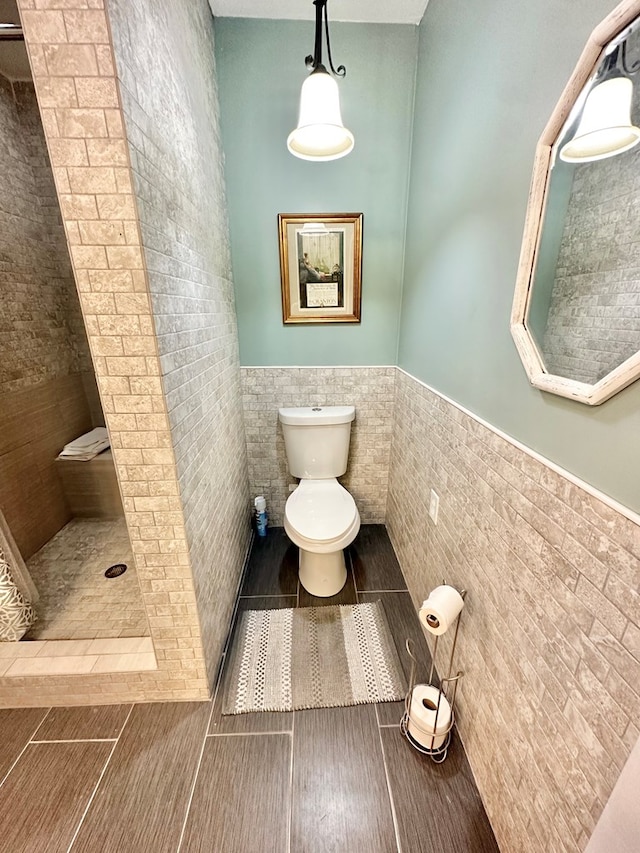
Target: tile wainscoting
[[550, 636], [370, 389]]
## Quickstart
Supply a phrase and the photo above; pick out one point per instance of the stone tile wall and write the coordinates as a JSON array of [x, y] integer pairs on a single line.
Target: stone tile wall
[[75, 78], [165, 59], [43, 345], [370, 389], [550, 635], [42, 331]]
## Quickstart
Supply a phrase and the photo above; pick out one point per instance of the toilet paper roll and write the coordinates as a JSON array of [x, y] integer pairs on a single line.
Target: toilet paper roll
[[423, 726], [440, 610]]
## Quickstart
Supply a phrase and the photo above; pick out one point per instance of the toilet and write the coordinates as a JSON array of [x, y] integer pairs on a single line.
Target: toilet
[[320, 516]]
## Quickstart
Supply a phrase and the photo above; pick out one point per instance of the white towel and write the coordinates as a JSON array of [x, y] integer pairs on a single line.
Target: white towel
[[86, 446]]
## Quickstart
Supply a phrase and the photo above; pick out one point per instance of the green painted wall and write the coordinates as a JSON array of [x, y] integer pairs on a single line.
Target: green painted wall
[[260, 71], [489, 74]]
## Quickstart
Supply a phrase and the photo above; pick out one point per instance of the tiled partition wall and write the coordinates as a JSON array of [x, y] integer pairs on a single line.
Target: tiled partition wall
[[75, 78], [550, 636], [165, 56], [370, 389]]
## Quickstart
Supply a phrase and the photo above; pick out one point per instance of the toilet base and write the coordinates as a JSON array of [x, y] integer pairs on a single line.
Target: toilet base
[[322, 575]]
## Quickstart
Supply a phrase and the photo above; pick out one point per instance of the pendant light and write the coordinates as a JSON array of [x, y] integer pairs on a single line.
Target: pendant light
[[605, 128], [320, 134]]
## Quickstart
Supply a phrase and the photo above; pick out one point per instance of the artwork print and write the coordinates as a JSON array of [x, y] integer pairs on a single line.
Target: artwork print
[[321, 267]]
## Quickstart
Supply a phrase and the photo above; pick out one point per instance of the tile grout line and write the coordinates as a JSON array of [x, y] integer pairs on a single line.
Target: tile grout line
[[22, 751], [252, 734], [392, 805], [199, 764], [42, 722], [218, 687], [269, 595], [93, 793], [234, 615], [98, 783], [79, 740], [353, 575], [126, 720], [290, 826], [380, 591]]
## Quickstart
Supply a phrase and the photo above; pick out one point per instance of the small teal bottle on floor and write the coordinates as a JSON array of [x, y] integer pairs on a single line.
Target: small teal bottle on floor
[[260, 505]]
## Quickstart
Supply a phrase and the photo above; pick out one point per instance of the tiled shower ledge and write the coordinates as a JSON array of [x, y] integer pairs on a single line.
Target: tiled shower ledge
[[77, 657]]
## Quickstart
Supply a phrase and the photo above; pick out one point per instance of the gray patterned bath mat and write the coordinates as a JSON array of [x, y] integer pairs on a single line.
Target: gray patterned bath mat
[[312, 657]]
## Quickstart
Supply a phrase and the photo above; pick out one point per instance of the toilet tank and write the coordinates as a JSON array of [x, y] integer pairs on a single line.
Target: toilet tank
[[316, 440]]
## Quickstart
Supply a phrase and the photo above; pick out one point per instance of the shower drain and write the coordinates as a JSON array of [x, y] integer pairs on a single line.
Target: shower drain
[[116, 570]]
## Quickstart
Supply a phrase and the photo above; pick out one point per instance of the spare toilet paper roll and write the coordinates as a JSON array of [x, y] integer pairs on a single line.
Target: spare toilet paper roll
[[440, 610], [423, 726]]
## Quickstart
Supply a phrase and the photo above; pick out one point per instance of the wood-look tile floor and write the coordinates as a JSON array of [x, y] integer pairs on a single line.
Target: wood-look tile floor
[[181, 778]]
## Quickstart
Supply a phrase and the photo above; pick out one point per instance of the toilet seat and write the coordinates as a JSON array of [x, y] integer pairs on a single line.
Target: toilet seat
[[320, 514]]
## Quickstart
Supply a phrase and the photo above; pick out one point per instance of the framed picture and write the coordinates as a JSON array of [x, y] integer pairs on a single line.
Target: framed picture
[[320, 267]]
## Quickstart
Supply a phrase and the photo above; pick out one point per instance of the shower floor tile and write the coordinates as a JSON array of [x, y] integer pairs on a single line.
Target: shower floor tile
[[77, 602]]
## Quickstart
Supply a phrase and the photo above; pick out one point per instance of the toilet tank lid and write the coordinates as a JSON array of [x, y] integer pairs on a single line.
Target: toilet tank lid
[[317, 415]]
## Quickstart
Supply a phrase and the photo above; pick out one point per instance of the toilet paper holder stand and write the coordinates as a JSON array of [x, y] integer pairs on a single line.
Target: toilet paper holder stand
[[449, 683]]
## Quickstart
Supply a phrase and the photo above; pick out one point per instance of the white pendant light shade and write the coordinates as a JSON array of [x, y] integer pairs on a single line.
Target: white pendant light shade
[[605, 128], [320, 134]]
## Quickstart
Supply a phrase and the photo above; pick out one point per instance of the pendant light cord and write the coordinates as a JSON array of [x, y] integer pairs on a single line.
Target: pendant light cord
[[340, 71], [315, 61]]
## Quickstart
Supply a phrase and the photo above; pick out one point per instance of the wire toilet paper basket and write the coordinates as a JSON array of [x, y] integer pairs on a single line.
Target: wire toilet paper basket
[[432, 738]]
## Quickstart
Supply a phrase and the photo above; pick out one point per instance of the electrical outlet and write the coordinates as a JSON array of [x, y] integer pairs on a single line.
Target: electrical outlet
[[434, 503]]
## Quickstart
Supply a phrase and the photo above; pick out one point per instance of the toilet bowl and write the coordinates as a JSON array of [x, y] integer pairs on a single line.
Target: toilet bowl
[[321, 518]]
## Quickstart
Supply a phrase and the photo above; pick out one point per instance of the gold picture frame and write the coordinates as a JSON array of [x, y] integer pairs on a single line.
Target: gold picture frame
[[320, 267]]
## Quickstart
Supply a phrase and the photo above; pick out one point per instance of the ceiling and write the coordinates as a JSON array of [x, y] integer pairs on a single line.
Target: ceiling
[[372, 11]]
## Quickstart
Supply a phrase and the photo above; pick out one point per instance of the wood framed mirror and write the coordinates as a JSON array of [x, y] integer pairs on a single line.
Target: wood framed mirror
[[576, 312]]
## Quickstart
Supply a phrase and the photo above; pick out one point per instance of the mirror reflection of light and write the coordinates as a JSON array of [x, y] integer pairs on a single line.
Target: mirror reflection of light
[[605, 127]]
